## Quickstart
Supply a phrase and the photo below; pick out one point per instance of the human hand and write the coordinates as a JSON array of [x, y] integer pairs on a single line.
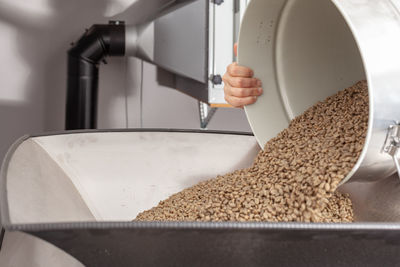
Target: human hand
[[241, 88]]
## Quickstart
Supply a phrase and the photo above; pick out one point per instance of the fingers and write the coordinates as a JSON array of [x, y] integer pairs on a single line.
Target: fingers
[[239, 102], [235, 70], [235, 48], [240, 87], [242, 92], [241, 82]]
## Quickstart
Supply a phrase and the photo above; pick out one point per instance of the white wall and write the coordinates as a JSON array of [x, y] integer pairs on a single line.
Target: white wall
[[35, 36]]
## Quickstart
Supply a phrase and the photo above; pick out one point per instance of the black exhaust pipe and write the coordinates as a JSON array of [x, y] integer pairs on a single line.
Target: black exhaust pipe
[[84, 59]]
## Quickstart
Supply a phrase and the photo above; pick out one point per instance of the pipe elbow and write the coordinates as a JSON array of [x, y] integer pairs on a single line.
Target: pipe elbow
[[100, 41]]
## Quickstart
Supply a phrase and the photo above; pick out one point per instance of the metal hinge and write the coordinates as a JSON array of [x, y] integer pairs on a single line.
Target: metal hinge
[[392, 144], [206, 114]]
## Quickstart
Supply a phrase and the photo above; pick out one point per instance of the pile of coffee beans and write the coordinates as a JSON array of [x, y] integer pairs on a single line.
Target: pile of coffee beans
[[294, 179]]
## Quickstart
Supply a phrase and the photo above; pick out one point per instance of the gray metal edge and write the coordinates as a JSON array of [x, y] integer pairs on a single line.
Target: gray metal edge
[[4, 211], [141, 130], [204, 226]]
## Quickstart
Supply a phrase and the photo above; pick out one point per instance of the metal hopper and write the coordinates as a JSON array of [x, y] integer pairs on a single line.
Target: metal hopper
[[80, 191]]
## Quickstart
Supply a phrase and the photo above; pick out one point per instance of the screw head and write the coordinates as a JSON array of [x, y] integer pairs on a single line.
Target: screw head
[[218, 2], [216, 79]]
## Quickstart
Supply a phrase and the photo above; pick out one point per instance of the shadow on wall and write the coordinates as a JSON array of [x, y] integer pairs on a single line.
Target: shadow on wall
[[40, 35]]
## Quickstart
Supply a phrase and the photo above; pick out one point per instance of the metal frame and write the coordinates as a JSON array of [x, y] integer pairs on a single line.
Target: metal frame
[[221, 40], [223, 244]]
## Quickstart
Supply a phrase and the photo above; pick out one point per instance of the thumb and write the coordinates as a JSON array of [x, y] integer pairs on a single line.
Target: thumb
[[235, 48]]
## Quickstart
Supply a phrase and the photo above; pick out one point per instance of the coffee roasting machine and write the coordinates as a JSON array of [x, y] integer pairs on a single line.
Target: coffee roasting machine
[[190, 42], [68, 199]]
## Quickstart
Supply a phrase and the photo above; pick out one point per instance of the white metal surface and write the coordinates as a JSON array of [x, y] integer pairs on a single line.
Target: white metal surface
[[41, 191], [256, 50], [223, 24], [221, 40], [114, 176]]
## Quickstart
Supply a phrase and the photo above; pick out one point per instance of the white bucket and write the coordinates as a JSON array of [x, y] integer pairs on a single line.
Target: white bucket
[[306, 50]]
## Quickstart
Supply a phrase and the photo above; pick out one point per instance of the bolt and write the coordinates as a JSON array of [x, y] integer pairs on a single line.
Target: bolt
[[216, 79], [218, 2]]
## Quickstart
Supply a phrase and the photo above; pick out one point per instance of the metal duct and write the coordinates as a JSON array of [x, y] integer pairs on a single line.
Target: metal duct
[[99, 42], [84, 59]]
